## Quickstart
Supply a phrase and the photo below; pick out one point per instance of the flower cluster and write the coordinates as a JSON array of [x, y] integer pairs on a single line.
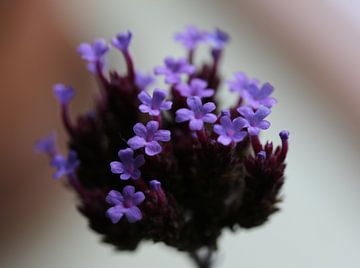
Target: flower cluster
[[167, 164]]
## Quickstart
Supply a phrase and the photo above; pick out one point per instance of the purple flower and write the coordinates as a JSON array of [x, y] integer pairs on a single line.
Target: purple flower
[[143, 80], [197, 87], [153, 105], [64, 94], [46, 145], [198, 114], [261, 155], [125, 203], [65, 166], [191, 37], [148, 137], [218, 39], [241, 82], [94, 53], [122, 40], [129, 166], [255, 120], [257, 97], [173, 69], [230, 131]]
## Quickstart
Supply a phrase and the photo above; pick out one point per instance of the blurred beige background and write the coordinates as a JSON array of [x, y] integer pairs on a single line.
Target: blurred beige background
[[308, 49]]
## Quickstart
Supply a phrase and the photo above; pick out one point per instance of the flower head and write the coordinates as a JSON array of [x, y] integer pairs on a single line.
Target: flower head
[[241, 82], [94, 53], [125, 203], [173, 69], [255, 120], [64, 94], [65, 166], [218, 39], [197, 87], [129, 166], [149, 136], [143, 80], [198, 114], [153, 105], [284, 134], [122, 41], [230, 131], [257, 97], [46, 145], [191, 37]]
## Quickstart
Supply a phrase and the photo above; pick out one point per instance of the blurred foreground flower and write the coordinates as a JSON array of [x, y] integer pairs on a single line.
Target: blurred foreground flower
[[168, 166]]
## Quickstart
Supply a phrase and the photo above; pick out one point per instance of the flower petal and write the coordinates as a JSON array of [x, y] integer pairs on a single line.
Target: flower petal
[[138, 197], [116, 167], [183, 115], [196, 124], [114, 197], [152, 148], [162, 135], [136, 142], [133, 214], [115, 214], [140, 130]]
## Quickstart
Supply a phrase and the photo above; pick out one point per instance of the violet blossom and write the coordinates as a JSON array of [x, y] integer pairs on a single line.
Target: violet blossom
[[198, 114], [122, 41], [65, 166], [143, 80], [149, 136], [125, 204], [94, 54], [255, 120], [197, 87], [129, 166], [230, 131], [153, 105], [256, 96], [191, 37], [64, 94], [173, 69], [241, 83]]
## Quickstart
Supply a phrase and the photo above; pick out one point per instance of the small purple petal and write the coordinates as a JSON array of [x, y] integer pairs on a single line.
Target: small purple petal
[[196, 124], [152, 148], [46, 145], [136, 142], [191, 37], [155, 185], [162, 135], [143, 80], [116, 167], [140, 130], [114, 197], [133, 214], [115, 213], [183, 115], [138, 198]]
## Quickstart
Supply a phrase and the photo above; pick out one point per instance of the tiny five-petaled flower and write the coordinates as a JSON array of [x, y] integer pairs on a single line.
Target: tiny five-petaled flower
[[94, 54], [125, 203], [64, 94], [122, 41], [153, 105], [129, 166], [197, 87], [173, 69], [65, 166], [230, 131], [191, 37], [198, 114], [255, 120], [149, 137]]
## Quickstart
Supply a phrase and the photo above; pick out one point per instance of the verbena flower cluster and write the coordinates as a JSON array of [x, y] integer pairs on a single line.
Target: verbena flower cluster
[[167, 164]]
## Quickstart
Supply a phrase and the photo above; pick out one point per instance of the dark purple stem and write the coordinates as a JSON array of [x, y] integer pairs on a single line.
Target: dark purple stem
[[130, 66]]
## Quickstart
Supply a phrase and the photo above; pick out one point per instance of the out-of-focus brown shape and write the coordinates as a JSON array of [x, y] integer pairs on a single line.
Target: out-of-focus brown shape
[[34, 54]]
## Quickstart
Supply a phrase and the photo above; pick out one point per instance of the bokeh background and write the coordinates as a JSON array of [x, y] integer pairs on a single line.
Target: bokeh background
[[309, 50]]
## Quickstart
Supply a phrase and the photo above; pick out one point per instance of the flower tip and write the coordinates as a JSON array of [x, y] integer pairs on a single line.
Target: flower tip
[[64, 94], [155, 185], [284, 135], [122, 40], [261, 155]]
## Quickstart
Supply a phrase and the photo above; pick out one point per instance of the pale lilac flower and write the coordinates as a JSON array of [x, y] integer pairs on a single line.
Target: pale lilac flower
[[197, 87], [173, 69], [198, 114], [143, 80], [153, 105], [256, 96], [241, 83], [129, 166], [191, 37], [230, 131], [122, 41], [218, 39], [46, 145], [149, 137], [94, 53], [64, 94], [255, 120], [65, 166], [125, 203]]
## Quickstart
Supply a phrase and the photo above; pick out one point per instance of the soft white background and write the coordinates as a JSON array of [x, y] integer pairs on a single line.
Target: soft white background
[[319, 225]]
